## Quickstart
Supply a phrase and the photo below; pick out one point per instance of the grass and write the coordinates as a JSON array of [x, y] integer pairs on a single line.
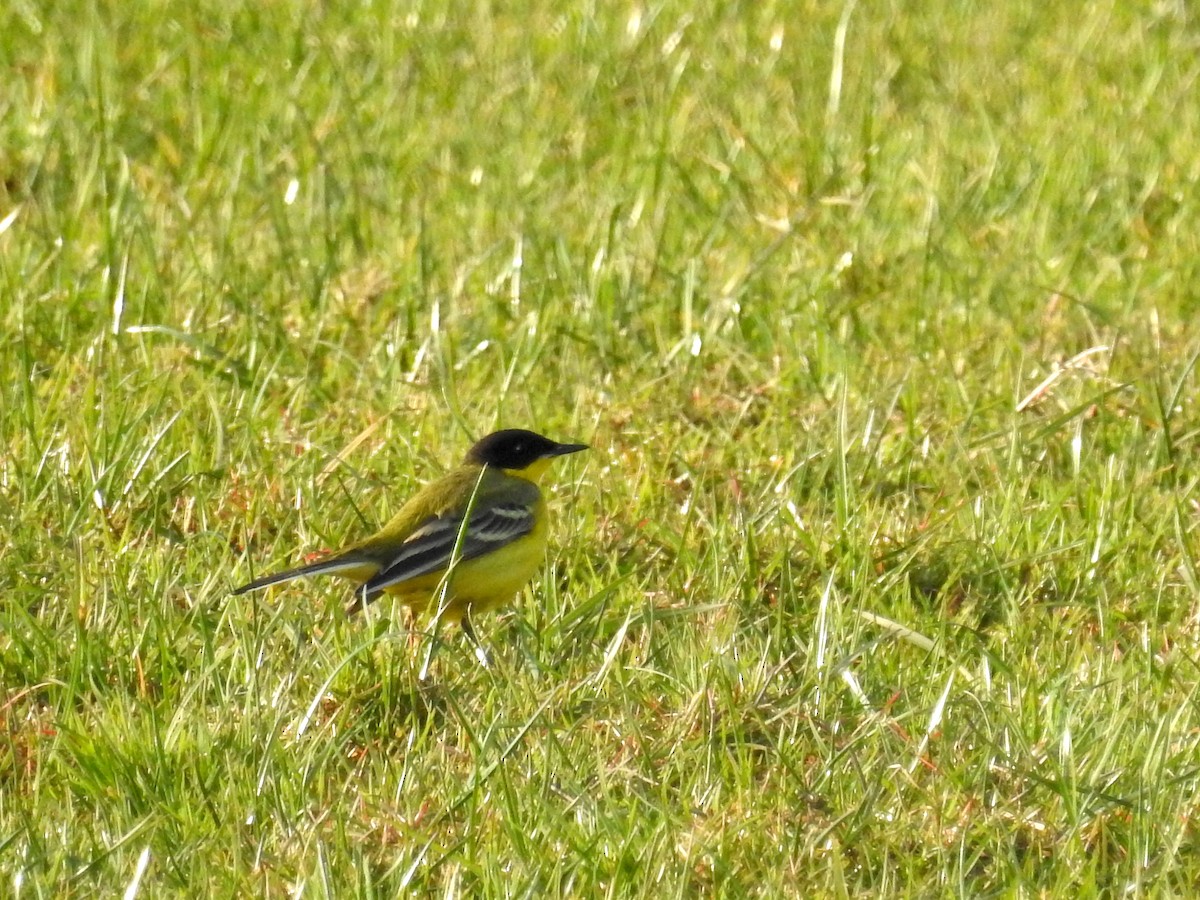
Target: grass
[[881, 576]]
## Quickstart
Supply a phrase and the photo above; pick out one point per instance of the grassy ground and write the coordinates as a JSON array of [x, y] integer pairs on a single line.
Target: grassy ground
[[880, 578]]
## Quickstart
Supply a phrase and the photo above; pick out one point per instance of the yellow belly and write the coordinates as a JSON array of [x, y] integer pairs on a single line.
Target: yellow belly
[[481, 584]]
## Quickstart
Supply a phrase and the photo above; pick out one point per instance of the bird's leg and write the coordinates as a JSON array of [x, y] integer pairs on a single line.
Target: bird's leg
[[481, 654], [360, 602]]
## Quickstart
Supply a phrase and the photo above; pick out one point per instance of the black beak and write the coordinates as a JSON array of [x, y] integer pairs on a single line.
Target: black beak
[[564, 449]]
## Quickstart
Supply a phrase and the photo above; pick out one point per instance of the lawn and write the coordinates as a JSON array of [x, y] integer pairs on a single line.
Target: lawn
[[880, 577]]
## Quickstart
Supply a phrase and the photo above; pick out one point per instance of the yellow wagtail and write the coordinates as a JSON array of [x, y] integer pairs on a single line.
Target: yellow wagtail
[[495, 492]]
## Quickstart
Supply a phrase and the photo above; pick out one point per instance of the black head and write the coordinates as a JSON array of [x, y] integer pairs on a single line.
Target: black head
[[518, 449]]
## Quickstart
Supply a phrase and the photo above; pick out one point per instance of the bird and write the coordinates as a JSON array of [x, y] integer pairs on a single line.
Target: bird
[[485, 522]]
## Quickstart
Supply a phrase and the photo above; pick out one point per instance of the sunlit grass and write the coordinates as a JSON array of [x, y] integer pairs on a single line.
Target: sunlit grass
[[880, 577]]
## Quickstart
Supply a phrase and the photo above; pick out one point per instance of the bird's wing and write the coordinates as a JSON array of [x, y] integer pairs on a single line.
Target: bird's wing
[[494, 523]]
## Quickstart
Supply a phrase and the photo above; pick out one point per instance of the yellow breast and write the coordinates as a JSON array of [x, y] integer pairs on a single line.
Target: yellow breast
[[484, 583]]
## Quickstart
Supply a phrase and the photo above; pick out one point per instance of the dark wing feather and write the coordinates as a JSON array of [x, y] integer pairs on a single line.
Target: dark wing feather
[[430, 547]]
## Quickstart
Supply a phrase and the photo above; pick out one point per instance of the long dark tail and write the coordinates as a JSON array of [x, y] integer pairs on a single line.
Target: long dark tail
[[322, 567]]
